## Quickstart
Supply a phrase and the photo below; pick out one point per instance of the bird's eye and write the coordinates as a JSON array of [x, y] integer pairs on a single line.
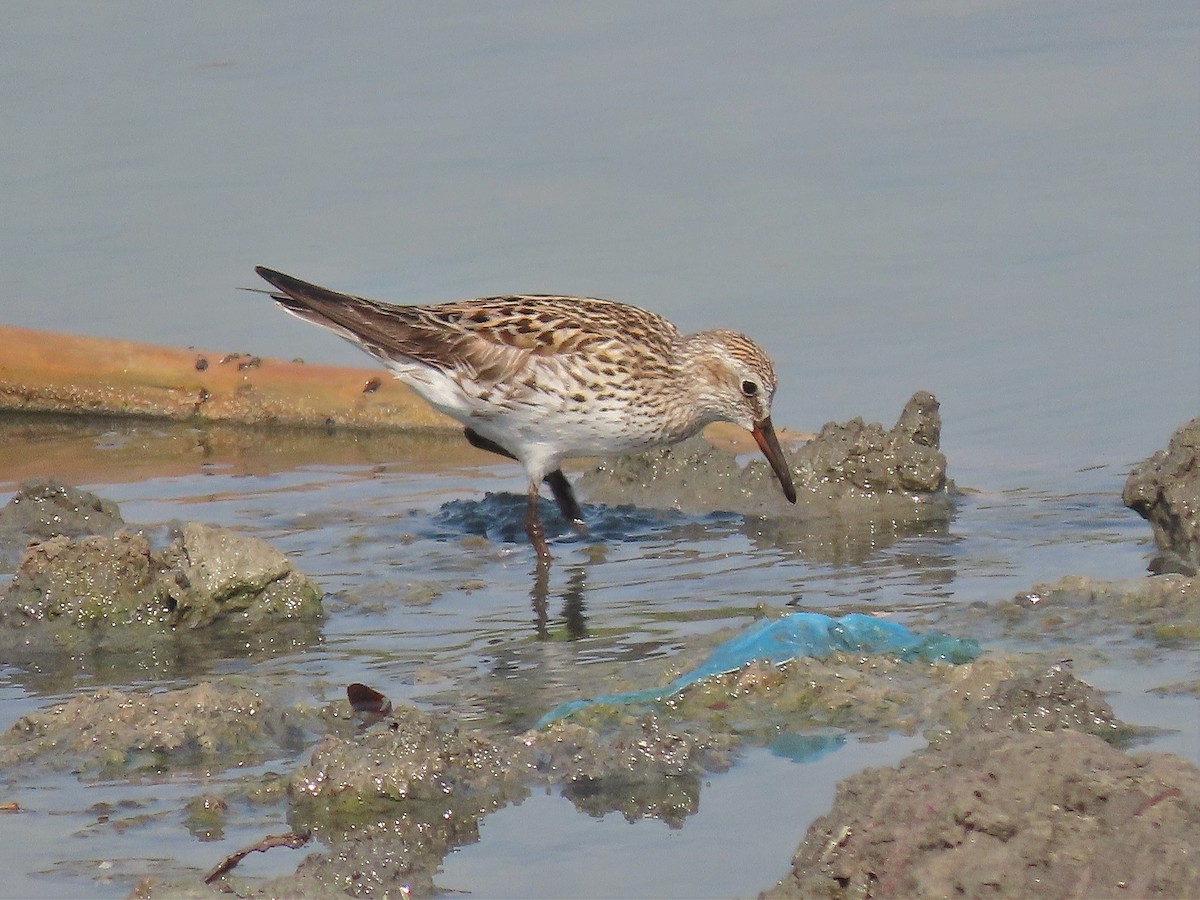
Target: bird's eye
[[749, 388]]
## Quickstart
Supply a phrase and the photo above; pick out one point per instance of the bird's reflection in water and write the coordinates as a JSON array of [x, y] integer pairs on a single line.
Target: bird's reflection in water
[[574, 619]]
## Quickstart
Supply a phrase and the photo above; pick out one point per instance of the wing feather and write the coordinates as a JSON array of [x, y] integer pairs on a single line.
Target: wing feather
[[487, 340]]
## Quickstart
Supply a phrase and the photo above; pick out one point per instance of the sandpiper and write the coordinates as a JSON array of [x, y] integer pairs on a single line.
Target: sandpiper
[[541, 378]]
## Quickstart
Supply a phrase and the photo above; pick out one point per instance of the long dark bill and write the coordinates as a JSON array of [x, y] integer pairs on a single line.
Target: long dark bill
[[764, 433]]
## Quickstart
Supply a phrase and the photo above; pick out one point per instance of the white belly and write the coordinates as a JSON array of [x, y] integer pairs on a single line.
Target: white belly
[[540, 428]]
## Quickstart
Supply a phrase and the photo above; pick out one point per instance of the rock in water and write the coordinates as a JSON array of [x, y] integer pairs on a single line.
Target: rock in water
[[1165, 491]]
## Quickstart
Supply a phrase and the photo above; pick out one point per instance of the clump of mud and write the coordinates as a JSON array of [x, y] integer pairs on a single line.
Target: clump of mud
[[881, 695], [644, 767], [1074, 609], [1165, 490], [100, 595], [206, 574], [850, 470], [392, 801], [1054, 700], [82, 568], [40, 510], [113, 733], [853, 461], [410, 756], [1042, 814]]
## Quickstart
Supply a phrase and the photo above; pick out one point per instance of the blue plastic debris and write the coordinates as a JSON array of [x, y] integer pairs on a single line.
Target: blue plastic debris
[[803, 748], [799, 634]]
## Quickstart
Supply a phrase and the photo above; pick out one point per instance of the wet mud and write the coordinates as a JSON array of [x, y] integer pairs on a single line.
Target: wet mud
[[1026, 775], [1044, 814], [46, 509], [1165, 491], [127, 734], [203, 575], [852, 472], [87, 586], [860, 486], [1030, 785]]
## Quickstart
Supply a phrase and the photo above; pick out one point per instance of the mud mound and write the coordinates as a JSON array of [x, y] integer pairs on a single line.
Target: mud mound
[[852, 470], [1165, 490], [112, 733], [44, 509], [1049, 814], [206, 574]]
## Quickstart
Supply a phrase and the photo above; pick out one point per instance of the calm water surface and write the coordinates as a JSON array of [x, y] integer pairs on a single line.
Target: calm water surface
[[996, 202]]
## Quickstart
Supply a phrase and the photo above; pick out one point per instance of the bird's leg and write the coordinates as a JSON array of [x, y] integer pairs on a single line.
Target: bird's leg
[[534, 528], [477, 440], [565, 497], [559, 486]]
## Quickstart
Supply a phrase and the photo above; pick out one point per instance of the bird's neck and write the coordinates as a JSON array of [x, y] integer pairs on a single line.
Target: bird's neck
[[699, 373]]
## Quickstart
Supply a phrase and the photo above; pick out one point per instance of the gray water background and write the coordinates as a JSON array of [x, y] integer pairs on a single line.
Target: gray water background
[[997, 202]]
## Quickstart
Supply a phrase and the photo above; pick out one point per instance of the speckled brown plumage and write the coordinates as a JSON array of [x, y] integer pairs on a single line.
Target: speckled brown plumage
[[544, 378]]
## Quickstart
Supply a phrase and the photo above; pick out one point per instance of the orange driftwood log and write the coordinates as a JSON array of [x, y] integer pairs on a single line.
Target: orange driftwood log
[[44, 371], [49, 372]]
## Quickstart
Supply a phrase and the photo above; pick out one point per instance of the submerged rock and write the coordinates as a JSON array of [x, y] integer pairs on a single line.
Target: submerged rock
[[1165, 491], [1164, 608]]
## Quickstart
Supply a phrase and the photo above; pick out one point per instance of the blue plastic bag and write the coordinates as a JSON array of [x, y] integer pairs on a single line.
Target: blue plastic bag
[[799, 634]]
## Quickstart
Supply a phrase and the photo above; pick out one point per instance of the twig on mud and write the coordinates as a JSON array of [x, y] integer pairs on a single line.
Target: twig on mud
[[292, 840], [1157, 798]]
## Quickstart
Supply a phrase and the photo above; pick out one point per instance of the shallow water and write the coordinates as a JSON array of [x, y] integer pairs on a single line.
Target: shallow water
[[430, 607], [994, 202]]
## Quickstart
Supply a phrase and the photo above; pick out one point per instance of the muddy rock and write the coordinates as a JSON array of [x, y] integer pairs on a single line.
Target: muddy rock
[[206, 574], [84, 568], [1046, 814], [44, 509], [215, 573], [87, 580], [1165, 490], [643, 768], [851, 470], [1054, 700], [392, 801], [113, 733], [864, 695], [1163, 608], [410, 755], [853, 459]]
